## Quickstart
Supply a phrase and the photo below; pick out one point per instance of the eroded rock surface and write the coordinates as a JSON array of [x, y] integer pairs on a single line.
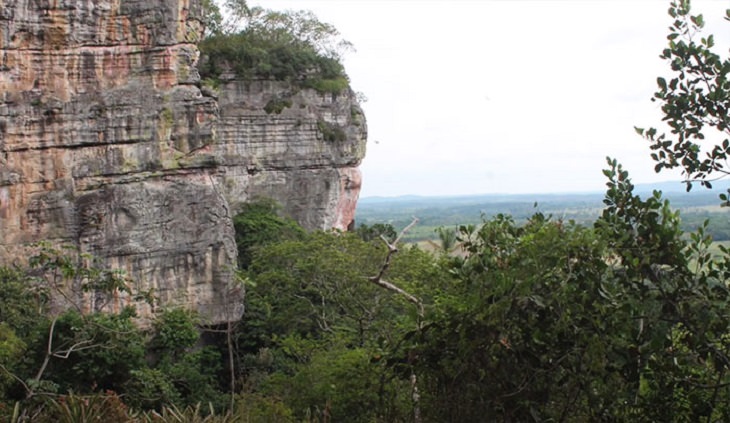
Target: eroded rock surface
[[305, 156], [108, 145]]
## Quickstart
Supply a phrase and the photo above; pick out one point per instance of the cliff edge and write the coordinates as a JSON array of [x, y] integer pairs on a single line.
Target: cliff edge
[[108, 145]]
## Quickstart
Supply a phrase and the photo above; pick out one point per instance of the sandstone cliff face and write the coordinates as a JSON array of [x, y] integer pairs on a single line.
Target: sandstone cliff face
[[108, 145], [305, 156]]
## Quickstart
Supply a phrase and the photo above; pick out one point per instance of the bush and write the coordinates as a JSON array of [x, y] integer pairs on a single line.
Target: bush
[[291, 46], [331, 132], [73, 408], [259, 224], [277, 105], [254, 407]]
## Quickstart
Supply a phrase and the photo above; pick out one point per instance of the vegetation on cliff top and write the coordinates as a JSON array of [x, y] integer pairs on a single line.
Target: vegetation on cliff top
[[288, 46]]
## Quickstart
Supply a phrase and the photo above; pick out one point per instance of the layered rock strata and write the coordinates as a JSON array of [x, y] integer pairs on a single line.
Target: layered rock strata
[[108, 145], [304, 153]]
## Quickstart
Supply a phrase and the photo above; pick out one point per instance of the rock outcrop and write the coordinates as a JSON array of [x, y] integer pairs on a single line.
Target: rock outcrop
[[305, 156], [107, 144]]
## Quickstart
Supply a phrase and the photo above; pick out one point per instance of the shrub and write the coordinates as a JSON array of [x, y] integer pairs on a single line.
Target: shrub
[[283, 46], [259, 224], [331, 132], [277, 105], [73, 408]]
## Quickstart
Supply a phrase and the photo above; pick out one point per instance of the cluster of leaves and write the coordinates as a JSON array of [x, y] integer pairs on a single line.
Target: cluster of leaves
[[317, 333], [554, 321], [277, 105], [283, 46], [259, 224], [695, 98], [546, 320], [332, 133]]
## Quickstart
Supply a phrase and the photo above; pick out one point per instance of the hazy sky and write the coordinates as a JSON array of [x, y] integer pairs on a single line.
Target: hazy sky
[[480, 96]]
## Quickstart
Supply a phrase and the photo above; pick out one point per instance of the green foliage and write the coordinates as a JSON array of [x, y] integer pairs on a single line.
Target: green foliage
[[175, 332], [331, 132], [84, 408], [43, 353], [375, 231], [284, 46], [312, 285], [212, 17], [150, 389], [259, 224], [695, 99], [553, 321], [21, 303], [183, 373], [22, 308], [333, 85], [93, 352], [339, 384], [277, 105], [224, 17], [11, 351], [317, 333], [515, 336], [447, 238], [190, 414], [255, 407], [195, 377], [645, 231]]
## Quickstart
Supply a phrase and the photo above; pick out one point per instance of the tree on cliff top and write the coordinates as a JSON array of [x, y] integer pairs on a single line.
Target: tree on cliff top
[[257, 43], [696, 98], [225, 18]]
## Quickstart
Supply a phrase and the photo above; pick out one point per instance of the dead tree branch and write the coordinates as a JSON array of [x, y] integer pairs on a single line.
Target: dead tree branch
[[378, 279]]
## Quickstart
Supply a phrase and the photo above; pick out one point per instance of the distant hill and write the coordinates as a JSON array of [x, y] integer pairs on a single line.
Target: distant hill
[[695, 206], [668, 187]]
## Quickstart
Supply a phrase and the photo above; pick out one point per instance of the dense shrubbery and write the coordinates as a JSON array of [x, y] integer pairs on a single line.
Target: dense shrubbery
[[259, 224], [45, 354], [548, 320], [282, 46]]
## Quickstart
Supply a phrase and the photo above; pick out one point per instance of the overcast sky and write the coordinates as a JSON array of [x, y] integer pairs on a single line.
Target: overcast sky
[[480, 96]]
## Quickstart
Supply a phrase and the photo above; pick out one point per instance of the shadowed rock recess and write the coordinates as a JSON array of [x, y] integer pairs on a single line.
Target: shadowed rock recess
[[108, 145]]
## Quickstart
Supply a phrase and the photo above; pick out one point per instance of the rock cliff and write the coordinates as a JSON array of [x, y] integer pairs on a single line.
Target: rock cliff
[[107, 144]]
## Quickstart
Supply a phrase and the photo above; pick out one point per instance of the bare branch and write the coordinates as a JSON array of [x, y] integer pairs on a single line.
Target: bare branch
[[49, 353], [389, 286], [406, 229], [77, 347], [378, 279]]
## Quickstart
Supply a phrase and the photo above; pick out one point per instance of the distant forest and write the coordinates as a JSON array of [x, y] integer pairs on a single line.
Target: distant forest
[[695, 207]]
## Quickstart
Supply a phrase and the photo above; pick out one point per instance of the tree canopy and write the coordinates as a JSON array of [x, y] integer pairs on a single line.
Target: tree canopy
[[257, 43], [695, 102]]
